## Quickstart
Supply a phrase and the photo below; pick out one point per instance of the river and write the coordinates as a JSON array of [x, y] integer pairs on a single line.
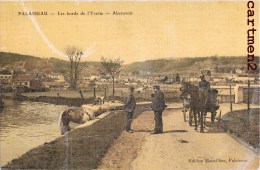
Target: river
[[25, 125]]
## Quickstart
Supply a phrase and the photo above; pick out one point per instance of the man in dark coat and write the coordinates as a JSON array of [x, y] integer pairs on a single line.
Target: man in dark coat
[[204, 84], [158, 105], [129, 109]]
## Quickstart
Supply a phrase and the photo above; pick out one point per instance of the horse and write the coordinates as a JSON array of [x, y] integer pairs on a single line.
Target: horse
[[74, 115], [198, 99], [186, 105], [81, 115]]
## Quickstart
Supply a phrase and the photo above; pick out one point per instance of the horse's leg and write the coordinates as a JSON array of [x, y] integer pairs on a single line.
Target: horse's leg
[[204, 120], [195, 119], [201, 121], [68, 128], [198, 118], [213, 115], [184, 113], [190, 117]]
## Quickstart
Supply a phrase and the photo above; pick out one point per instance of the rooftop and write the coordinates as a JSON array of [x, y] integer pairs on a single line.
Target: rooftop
[[23, 77]]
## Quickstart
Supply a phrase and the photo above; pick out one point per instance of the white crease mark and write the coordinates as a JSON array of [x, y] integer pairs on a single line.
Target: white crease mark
[[86, 53]]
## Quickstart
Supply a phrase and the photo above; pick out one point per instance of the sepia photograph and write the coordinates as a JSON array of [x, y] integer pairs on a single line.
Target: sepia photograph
[[142, 85]]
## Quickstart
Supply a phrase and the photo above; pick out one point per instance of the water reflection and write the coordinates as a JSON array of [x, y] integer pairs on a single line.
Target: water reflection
[[25, 125]]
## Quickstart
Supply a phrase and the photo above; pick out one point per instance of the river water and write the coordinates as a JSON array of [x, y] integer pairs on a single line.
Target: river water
[[25, 125]]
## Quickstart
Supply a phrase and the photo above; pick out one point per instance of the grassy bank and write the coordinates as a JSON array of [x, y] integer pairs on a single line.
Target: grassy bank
[[80, 149], [244, 125]]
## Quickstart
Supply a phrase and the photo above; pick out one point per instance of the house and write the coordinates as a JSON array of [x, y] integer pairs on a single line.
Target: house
[[29, 82], [22, 80], [56, 85], [58, 77], [5, 77], [94, 77]]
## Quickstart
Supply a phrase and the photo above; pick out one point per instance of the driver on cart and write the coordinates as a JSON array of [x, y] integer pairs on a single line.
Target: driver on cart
[[211, 98], [204, 84]]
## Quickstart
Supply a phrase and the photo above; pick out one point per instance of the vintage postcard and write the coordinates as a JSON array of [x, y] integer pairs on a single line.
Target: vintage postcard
[[129, 84]]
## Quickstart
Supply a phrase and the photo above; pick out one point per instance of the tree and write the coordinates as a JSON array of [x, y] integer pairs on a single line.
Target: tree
[[74, 55], [92, 85], [111, 67]]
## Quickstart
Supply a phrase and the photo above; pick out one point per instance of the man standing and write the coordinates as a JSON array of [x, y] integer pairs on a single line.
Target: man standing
[[129, 109], [158, 105]]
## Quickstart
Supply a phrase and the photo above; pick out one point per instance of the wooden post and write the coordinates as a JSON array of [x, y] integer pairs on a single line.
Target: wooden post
[[81, 94], [248, 96], [230, 95], [105, 95]]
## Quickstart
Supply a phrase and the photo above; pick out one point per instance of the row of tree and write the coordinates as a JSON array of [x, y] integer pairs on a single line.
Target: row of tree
[[108, 66]]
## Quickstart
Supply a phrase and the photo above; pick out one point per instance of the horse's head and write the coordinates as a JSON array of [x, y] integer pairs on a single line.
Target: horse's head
[[185, 89]]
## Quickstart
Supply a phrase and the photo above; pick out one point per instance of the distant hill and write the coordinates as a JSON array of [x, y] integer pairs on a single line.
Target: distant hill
[[31, 63], [189, 65], [182, 65]]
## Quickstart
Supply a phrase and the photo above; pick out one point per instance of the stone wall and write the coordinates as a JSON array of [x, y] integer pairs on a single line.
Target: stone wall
[[241, 94]]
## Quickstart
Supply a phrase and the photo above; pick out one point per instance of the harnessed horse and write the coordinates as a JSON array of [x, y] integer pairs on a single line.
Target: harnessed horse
[[198, 100], [186, 105]]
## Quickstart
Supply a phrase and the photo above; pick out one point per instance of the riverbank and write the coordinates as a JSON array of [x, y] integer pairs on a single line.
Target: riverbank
[[57, 100], [80, 148], [61, 100]]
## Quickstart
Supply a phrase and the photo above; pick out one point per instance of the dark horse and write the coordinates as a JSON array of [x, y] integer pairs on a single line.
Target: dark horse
[[186, 105], [198, 99]]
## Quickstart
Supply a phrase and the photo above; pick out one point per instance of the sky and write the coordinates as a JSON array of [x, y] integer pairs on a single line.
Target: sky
[[174, 29]]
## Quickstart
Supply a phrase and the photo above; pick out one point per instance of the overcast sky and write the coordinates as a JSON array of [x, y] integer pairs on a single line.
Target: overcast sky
[[155, 30]]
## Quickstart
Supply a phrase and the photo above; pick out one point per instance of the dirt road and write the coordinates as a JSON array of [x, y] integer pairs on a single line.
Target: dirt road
[[179, 147]]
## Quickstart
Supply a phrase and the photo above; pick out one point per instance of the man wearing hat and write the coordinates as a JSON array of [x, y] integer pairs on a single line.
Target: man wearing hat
[[129, 109], [158, 105], [204, 84]]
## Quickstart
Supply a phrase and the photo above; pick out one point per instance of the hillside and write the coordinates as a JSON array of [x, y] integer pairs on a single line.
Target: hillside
[[189, 65], [183, 65], [35, 64]]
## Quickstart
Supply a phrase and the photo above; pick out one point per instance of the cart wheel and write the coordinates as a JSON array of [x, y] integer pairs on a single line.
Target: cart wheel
[[219, 118]]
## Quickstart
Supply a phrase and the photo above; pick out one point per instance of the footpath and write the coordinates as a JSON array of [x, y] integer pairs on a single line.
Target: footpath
[[179, 147]]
